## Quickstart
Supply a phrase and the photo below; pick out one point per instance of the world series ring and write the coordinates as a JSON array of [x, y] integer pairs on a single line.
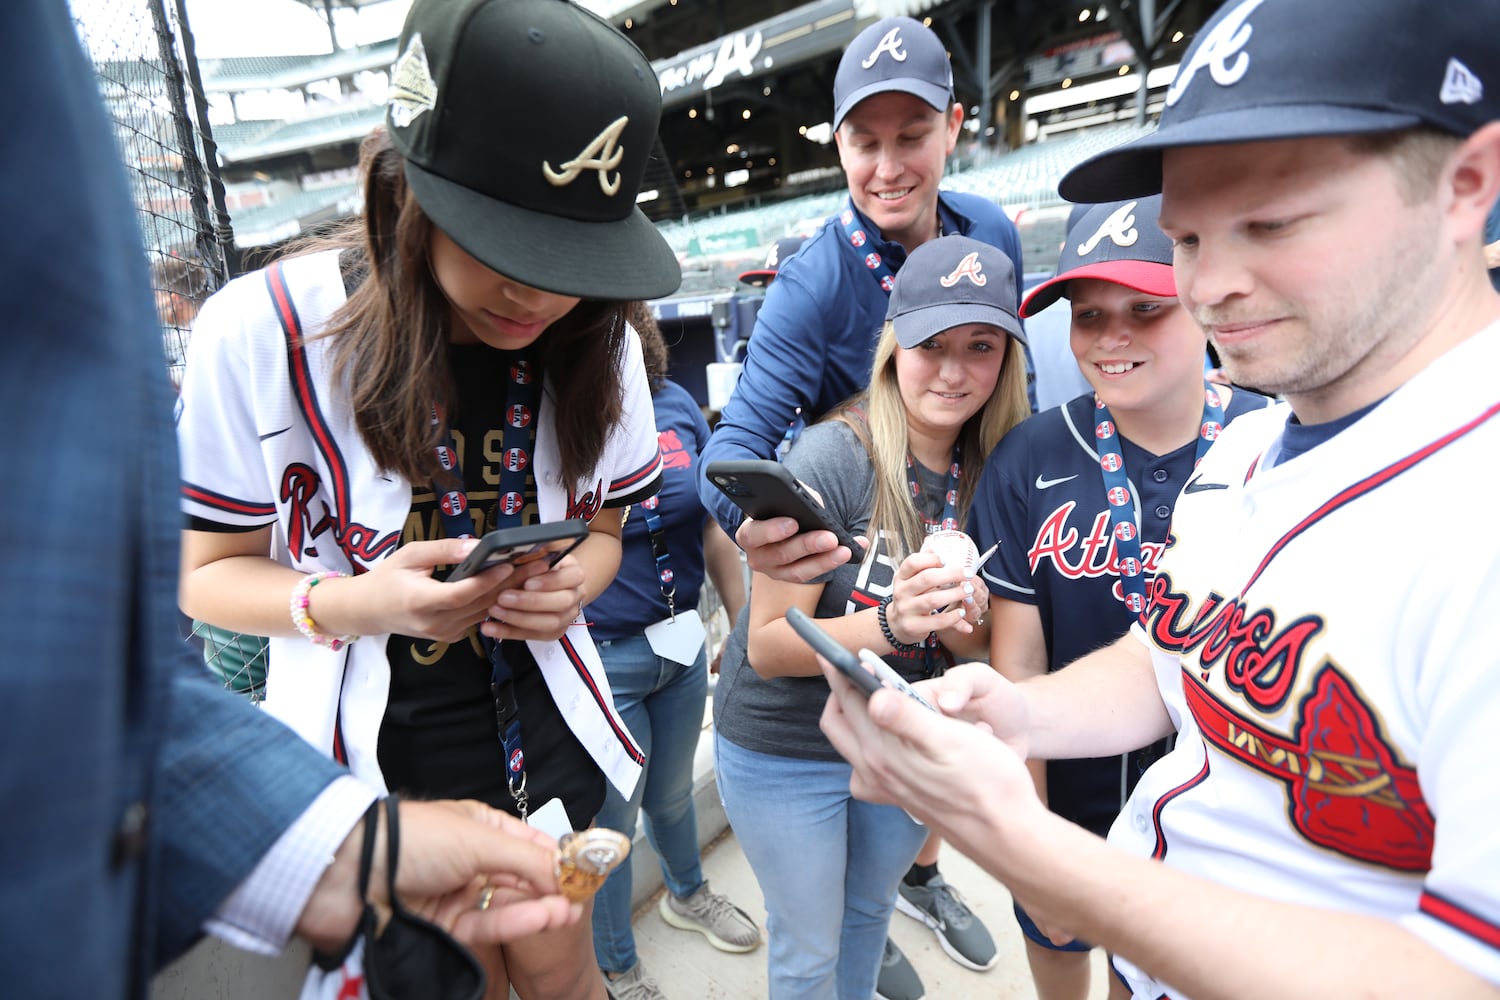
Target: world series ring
[[485, 897]]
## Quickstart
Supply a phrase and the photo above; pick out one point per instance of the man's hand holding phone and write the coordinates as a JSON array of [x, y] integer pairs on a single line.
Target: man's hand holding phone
[[779, 548], [787, 534]]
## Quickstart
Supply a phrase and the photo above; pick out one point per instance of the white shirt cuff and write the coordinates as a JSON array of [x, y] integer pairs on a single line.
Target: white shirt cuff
[[262, 912]]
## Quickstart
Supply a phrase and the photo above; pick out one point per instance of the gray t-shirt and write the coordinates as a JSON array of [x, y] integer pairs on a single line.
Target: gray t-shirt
[[780, 716]]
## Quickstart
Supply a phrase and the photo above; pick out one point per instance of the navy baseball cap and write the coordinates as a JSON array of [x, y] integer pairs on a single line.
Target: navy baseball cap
[[780, 252], [948, 282], [1119, 241], [1288, 69], [894, 53], [540, 188]]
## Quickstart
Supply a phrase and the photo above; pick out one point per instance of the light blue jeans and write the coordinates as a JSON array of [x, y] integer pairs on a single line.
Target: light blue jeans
[[662, 703], [828, 866]]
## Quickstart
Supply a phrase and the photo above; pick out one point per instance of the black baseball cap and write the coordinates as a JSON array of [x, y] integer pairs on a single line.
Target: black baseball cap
[[894, 53], [951, 281], [780, 251], [1119, 241], [1288, 69], [526, 127]]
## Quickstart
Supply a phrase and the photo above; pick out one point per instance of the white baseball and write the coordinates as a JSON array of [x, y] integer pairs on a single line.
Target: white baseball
[[955, 548]]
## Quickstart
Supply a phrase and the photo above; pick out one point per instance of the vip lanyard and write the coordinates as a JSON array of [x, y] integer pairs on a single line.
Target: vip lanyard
[[857, 237], [522, 395], [664, 577], [948, 522], [1122, 519]]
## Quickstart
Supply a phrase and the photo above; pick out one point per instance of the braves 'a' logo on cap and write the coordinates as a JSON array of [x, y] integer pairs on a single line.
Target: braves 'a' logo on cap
[[1119, 229], [969, 268], [603, 154], [889, 42], [1221, 52], [413, 90]]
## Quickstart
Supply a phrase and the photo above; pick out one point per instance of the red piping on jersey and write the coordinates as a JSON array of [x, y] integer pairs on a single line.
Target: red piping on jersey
[[1160, 850], [307, 402], [1459, 918], [639, 475], [1366, 485], [228, 504], [631, 750]]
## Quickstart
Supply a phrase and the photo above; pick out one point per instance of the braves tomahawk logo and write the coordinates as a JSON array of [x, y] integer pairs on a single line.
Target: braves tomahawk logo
[[1221, 52], [1347, 789], [602, 154], [299, 489]]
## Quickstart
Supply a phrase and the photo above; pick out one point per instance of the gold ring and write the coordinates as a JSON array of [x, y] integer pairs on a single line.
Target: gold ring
[[486, 896]]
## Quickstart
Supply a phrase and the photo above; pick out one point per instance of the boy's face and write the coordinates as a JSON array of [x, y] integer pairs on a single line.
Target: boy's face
[[1307, 267], [893, 148]]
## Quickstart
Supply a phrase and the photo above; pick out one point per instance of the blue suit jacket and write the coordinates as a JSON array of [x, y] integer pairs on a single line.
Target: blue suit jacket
[[108, 723]]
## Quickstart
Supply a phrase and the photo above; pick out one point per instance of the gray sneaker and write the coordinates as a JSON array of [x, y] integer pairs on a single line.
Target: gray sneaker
[[633, 985], [898, 980], [961, 934], [727, 927]]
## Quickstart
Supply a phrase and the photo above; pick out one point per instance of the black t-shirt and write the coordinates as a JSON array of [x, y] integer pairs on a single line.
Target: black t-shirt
[[438, 738]]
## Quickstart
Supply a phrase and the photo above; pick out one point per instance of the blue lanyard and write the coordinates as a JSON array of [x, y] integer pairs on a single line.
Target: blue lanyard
[[949, 521], [858, 238], [664, 576], [522, 396], [1127, 531]]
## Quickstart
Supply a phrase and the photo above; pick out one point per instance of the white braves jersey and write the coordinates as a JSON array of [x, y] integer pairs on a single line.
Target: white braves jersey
[[267, 439], [1326, 637]]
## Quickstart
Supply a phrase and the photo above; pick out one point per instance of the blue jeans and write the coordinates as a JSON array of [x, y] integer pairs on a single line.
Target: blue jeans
[[662, 703], [828, 866]]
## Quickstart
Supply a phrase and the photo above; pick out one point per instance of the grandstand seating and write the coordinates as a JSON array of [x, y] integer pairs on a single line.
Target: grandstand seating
[[1024, 178]]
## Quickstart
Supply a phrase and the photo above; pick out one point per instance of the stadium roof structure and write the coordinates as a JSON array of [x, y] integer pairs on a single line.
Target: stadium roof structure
[[239, 74]]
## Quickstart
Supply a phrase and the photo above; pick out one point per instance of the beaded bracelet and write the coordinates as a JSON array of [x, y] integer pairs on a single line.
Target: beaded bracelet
[[303, 621], [885, 627]]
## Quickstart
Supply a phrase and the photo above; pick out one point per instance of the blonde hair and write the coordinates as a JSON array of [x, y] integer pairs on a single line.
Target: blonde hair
[[878, 418]]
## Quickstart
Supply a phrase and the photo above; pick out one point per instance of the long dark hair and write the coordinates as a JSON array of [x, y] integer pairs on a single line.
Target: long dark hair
[[391, 336]]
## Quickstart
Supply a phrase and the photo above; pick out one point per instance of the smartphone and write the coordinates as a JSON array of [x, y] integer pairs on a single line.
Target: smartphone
[[762, 489], [523, 544], [864, 677]]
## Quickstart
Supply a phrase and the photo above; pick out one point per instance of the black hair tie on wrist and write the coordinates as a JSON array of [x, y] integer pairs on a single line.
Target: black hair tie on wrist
[[412, 957], [885, 628]]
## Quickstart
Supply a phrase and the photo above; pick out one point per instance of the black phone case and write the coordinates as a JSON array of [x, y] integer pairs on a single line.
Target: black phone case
[[763, 489], [847, 663], [504, 543]]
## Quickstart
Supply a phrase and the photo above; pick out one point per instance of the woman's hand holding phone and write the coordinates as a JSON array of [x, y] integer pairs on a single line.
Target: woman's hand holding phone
[[400, 595], [542, 607]]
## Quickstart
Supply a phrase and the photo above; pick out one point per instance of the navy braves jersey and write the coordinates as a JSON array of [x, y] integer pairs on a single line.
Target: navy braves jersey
[[634, 600], [1041, 497]]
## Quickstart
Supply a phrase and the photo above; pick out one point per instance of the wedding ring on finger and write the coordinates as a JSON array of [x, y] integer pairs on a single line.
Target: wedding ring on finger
[[485, 896]]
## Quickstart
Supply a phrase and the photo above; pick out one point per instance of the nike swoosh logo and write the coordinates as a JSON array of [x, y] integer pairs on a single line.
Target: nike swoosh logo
[[1043, 484], [1194, 486], [267, 437]]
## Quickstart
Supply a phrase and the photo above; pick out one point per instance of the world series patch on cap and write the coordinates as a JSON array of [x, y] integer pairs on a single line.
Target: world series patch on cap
[[526, 126], [1287, 69], [1119, 241]]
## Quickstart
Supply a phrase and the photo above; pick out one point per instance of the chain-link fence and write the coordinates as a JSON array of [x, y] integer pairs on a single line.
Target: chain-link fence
[[148, 75]]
